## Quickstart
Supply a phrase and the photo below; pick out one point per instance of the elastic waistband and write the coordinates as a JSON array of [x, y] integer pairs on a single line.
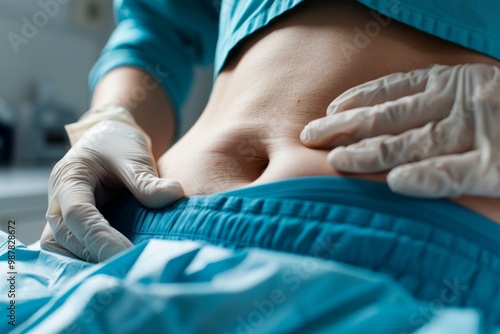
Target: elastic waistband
[[437, 249]]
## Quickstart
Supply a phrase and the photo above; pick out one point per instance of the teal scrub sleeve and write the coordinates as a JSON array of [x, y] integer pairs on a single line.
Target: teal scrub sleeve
[[165, 38], [472, 24]]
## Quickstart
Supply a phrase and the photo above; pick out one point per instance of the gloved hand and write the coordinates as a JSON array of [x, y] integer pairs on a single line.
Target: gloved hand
[[440, 126], [109, 152]]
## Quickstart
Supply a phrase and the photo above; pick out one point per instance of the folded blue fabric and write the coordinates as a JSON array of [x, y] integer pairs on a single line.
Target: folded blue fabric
[[186, 287], [438, 250]]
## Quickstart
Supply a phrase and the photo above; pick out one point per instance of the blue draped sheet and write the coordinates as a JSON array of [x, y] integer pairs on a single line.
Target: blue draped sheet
[[163, 286]]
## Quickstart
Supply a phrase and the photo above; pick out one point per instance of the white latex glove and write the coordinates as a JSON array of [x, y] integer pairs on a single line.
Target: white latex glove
[[110, 152], [440, 126]]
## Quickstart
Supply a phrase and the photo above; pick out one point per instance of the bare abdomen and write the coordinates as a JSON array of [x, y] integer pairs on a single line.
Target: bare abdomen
[[285, 75]]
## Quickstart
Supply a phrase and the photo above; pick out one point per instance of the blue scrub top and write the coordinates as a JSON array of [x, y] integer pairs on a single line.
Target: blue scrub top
[[167, 38]]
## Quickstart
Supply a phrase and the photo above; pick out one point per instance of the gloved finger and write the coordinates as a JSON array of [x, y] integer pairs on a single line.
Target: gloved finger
[[86, 223], [389, 118], [385, 152], [384, 89], [65, 243], [445, 176], [127, 153], [50, 244], [140, 176]]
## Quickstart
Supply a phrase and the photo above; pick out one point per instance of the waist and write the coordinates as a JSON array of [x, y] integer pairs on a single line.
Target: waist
[[343, 220], [285, 75]]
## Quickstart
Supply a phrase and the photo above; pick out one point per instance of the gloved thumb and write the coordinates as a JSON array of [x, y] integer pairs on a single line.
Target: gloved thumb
[[155, 192], [143, 182]]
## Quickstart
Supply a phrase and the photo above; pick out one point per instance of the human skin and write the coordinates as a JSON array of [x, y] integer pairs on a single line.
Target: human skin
[[274, 83], [285, 75]]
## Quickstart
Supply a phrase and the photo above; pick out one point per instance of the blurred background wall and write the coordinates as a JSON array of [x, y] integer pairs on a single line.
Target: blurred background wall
[[46, 39], [47, 48]]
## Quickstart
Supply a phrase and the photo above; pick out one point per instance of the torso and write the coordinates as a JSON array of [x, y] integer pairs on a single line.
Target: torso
[[282, 77]]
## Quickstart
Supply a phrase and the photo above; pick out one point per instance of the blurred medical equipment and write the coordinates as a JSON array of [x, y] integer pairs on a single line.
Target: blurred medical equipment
[[437, 127], [7, 124], [40, 137], [109, 152]]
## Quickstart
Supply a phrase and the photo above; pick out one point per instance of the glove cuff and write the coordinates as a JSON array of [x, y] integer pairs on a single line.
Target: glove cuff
[[115, 112]]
